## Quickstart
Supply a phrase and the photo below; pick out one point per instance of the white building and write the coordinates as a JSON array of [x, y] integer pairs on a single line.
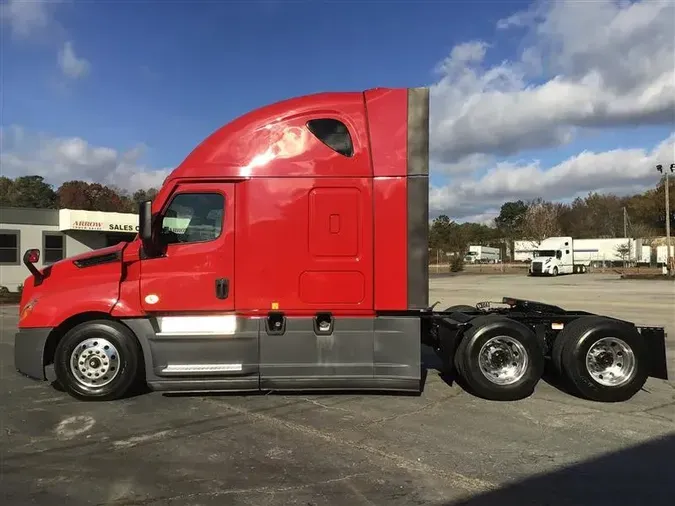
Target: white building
[[57, 234]]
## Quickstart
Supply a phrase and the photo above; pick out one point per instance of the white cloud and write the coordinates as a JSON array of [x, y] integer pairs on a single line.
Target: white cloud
[[583, 65], [70, 64], [25, 17], [63, 159], [619, 171], [600, 64], [484, 218], [466, 164]]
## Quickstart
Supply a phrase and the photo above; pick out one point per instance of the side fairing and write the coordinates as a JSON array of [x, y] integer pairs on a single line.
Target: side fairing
[[398, 122]]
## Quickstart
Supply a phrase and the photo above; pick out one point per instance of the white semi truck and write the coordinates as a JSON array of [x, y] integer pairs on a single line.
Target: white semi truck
[[554, 256], [482, 254]]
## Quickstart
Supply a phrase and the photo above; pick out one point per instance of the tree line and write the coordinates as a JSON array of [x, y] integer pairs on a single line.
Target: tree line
[[596, 215], [34, 192]]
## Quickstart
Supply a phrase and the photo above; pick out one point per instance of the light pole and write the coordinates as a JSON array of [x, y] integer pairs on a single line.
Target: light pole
[[661, 170]]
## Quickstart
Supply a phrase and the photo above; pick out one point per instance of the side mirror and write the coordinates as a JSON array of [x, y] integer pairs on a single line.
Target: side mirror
[[145, 227], [30, 257]]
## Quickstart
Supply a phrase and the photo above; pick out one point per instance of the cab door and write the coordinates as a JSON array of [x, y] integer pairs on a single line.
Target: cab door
[[189, 294], [196, 271]]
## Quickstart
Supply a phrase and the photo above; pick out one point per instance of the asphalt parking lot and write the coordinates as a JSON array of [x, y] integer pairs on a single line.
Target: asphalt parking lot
[[444, 447]]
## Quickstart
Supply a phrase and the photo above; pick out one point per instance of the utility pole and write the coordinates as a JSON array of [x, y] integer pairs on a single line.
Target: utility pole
[[668, 257], [625, 223], [625, 234]]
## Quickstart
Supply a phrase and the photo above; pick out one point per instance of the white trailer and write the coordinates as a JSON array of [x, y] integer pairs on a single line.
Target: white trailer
[[482, 254], [645, 256], [607, 250], [662, 253], [523, 251], [596, 252]]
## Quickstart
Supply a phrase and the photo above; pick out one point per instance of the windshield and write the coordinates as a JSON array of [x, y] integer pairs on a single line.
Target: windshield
[[544, 253]]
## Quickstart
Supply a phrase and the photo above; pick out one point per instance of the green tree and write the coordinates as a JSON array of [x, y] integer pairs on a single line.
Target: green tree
[[510, 219], [509, 223], [27, 191], [6, 188], [439, 233]]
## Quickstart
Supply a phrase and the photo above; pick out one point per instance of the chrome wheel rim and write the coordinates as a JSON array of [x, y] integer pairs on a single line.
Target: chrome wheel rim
[[611, 362], [95, 362], [503, 360]]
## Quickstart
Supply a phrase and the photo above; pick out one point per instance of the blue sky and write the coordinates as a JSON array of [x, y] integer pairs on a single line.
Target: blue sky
[[169, 74], [166, 74]]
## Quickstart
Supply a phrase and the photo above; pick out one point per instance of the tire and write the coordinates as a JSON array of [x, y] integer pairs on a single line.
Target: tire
[[621, 341], [462, 308], [530, 355], [555, 271], [114, 354]]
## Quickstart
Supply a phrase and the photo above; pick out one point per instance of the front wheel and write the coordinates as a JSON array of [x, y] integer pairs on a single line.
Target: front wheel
[[98, 360], [499, 359]]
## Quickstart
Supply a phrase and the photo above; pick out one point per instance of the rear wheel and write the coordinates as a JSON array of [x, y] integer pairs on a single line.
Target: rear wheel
[[499, 359], [98, 360], [602, 359]]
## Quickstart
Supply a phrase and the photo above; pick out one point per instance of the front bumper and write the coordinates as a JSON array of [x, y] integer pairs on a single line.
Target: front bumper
[[29, 351]]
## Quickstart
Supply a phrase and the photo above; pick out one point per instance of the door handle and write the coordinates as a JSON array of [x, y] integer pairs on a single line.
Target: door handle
[[222, 288]]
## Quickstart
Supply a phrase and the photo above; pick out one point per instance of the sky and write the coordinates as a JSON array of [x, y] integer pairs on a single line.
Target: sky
[[528, 99]]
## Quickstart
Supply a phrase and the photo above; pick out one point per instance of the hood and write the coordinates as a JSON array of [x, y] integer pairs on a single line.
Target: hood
[[542, 260], [78, 284], [92, 267], [96, 257]]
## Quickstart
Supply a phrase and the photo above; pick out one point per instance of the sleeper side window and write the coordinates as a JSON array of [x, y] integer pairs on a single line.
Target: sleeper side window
[[193, 217], [333, 133]]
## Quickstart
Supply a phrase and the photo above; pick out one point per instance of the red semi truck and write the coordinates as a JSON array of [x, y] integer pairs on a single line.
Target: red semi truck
[[288, 251]]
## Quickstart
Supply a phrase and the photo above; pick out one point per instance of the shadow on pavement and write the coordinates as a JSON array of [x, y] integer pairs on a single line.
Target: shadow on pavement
[[642, 475]]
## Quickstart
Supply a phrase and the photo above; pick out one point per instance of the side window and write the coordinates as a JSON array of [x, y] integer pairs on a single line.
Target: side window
[[193, 217], [332, 133], [9, 247], [52, 248]]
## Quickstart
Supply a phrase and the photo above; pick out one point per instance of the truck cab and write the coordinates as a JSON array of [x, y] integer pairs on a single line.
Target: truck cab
[[255, 265], [553, 256]]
